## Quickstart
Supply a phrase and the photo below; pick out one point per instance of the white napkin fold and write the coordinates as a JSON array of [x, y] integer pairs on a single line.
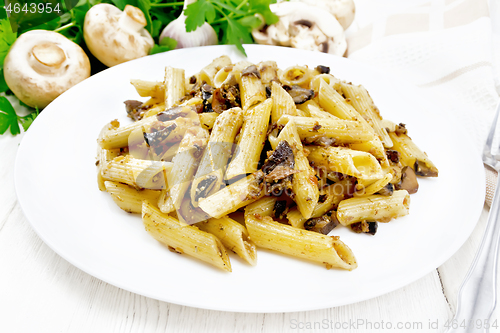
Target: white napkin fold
[[444, 48]]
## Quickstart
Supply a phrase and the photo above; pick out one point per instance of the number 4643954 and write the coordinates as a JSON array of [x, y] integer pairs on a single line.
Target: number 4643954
[[32, 8]]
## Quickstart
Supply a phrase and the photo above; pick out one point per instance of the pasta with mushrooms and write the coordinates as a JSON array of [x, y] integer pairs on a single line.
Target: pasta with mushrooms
[[298, 150]]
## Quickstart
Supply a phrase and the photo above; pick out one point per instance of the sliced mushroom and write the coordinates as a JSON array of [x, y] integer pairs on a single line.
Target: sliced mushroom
[[343, 10], [323, 224], [300, 95], [280, 209], [114, 36], [387, 190], [423, 170], [408, 181], [305, 27], [364, 227], [42, 64]]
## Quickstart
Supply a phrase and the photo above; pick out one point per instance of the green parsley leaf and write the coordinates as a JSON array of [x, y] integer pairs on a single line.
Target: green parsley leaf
[[3, 84], [237, 34], [198, 13], [26, 121], [166, 44], [8, 117], [7, 37]]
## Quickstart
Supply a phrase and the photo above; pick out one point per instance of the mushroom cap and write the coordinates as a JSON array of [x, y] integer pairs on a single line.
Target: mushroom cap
[[305, 27], [114, 36], [43, 64], [343, 10]]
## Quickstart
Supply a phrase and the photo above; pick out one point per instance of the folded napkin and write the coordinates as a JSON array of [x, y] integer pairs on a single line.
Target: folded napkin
[[444, 48]]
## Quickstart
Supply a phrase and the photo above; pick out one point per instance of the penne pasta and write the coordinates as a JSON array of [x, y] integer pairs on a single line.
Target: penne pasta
[[252, 90], [374, 208], [233, 236], [130, 198], [282, 103], [233, 197], [350, 162], [182, 238], [343, 131], [412, 156], [304, 182], [210, 174], [137, 173], [309, 245], [363, 103], [174, 86], [252, 139]]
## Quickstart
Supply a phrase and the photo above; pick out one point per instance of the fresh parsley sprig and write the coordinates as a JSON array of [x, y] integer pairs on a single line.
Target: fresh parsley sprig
[[233, 19]]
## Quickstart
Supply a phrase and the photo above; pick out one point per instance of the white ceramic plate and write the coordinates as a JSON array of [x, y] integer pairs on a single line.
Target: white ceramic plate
[[56, 187]]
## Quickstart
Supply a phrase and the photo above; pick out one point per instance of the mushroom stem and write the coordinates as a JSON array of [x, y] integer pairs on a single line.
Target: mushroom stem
[[132, 19], [49, 54]]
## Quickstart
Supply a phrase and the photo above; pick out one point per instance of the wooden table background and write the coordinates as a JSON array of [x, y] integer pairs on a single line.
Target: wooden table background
[[41, 292]]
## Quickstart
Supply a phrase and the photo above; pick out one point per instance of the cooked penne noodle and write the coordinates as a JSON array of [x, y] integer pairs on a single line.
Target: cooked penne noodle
[[304, 182], [118, 136], [309, 245], [183, 238], [296, 75], [149, 88], [130, 198], [363, 103], [252, 90], [233, 197], [165, 203], [210, 174], [268, 72], [252, 139], [103, 157], [412, 156], [282, 103], [333, 102], [233, 236], [332, 197], [208, 73], [262, 207], [174, 86], [137, 173], [346, 161], [374, 208], [374, 187], [207, 119], [329, 79], [343, 131], [185, 163], [314, 110]]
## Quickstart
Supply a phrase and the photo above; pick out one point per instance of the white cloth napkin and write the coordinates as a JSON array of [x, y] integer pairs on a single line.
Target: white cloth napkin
[[443, 47]]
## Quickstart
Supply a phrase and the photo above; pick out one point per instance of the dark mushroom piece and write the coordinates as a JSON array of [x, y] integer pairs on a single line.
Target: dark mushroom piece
[[423, 170], [365, 227], [323, 224], [204, 187], [251, 71], [323, 69], [280, 208], [408, 181], [387, 190], [300, 95], [173, 113]]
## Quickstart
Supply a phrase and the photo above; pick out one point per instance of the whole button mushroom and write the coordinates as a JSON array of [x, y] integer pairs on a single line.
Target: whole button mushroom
[[42, 64], [304, 27], [114, 36]]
